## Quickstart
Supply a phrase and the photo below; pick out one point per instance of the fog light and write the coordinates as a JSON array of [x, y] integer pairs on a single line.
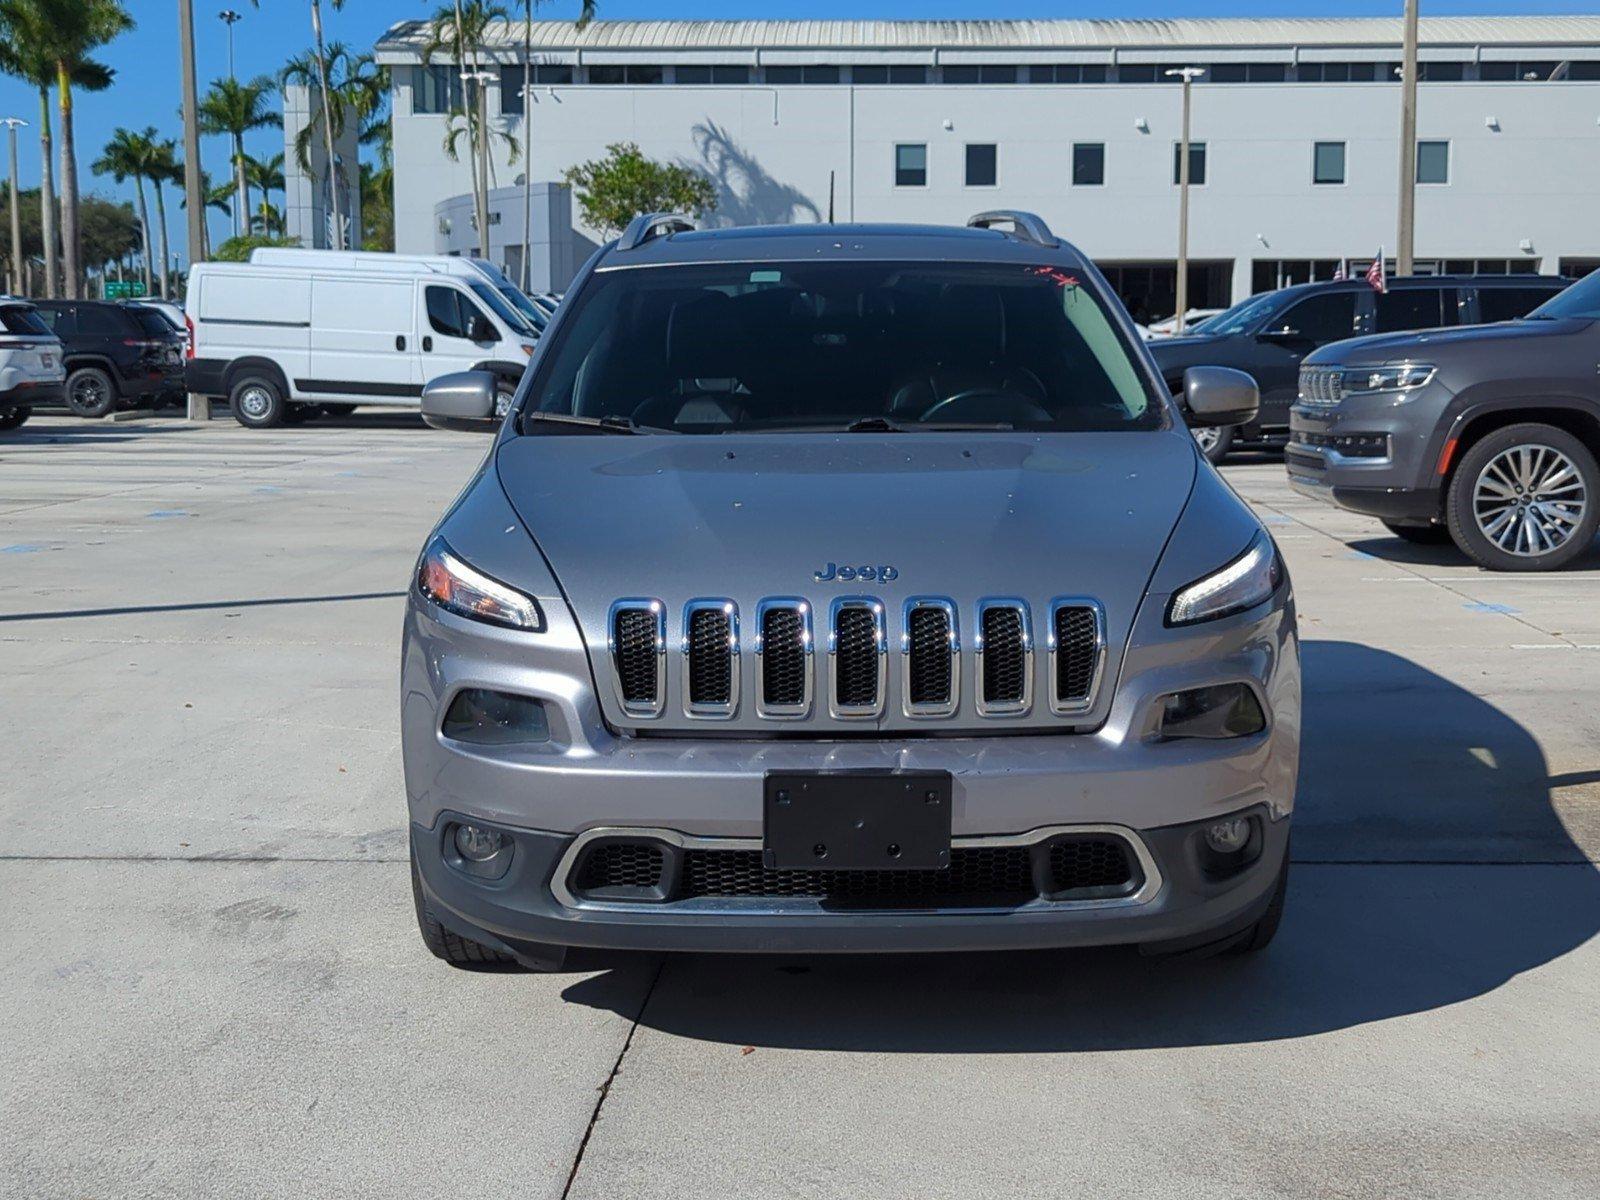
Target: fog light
[[486, 718], [478, 845], [1230, 836], [1228, 710]]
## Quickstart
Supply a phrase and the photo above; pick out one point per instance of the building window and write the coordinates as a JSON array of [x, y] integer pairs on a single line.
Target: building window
[[985, 73], [539, 75], [1342, 72], [983, 164], [436, 90], [1136, 73], [1088, 164], [634, 74], [888, 74], [1245, 73], [911, 164], [1433, 162], [711, 74], [816, 74], [1068, 73], [1327, 162], [1197, 162], [1441, 72]]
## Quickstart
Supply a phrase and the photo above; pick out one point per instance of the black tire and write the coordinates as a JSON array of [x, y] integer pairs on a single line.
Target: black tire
[[257, 401], [445, 944], [1259, 936], [1420, 535], [1468, 524], [91, 393], [10, 418]]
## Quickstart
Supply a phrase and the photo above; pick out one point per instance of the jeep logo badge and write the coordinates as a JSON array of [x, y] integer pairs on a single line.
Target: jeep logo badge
[[833, 572]]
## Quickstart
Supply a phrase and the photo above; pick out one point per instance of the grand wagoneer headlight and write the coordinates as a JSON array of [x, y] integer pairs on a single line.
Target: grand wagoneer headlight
[[1401, 377], [1243, 583], [452, 584]]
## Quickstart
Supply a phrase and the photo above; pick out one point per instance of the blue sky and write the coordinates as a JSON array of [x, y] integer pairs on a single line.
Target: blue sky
[[146, 91]]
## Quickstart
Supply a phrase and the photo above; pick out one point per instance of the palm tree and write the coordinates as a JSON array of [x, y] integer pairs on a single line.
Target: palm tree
[[130, 155], [75, 29], [235, 107], [217, 196], [24, 54], [267, 175], [460, 30], [164, 168]]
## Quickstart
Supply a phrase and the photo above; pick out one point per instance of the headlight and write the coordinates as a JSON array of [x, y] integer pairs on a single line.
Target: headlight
[[451, 584], [1403, 377], [1243, 583]]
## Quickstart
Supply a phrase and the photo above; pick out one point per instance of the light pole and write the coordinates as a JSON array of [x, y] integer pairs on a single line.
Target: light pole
[[1405, 243], [193, 194], [228, 17], [12, 125], [481, 168], [1188, 75]]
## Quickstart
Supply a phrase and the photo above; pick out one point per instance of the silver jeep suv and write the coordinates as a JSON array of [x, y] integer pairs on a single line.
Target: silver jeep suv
[[846, 588]]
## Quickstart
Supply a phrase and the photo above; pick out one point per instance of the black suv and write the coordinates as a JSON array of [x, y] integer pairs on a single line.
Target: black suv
[[1269, 334], [1487, 437], [116, 355]]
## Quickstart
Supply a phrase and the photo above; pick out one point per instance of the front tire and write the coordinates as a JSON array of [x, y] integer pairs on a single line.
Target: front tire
[[1259, 936], [91, 393], [1420, 535], [11, 418], [1525, 498], [257, 402]]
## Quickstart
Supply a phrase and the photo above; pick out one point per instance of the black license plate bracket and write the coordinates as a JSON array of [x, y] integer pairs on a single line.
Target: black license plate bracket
[[856, 820]]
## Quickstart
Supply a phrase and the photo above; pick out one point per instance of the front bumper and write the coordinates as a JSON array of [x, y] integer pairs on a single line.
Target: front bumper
[[520, 913], [1370, 454]]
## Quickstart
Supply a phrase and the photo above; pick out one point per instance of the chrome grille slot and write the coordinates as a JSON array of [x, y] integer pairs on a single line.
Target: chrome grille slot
[[857, 650], [638, 634], [1077, 650], [930, 657], [783, 659], [711, 658], [1321, 385], [1003, 647]]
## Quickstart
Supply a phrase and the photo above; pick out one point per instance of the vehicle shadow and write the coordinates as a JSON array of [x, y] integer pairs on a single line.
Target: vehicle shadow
[[1398, 550], [1430, 868]]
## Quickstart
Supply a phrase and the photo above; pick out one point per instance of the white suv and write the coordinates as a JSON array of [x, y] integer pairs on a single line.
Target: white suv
[[31, 370]]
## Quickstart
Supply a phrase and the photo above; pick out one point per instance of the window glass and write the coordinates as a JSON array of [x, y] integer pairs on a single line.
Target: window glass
[[1441, 72], [1410, 308], [811, 74], [1197, 162], [1321, 319], [894, 73], [435, 90], [983, 164], [911, 164], [1068, 73], [1508, 303], [1581, 300], [635, 74], [1136, 73], [18, 318], [759, 346], [511, 102], [1433, 162], [984, 73], [1088, 164], [152, 322], [102, 321], [444, 312], [1243, 315], [1328, 163]]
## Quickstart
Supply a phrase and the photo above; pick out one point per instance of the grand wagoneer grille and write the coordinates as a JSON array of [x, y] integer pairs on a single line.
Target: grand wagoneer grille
[[1321, 385], [910, 658]]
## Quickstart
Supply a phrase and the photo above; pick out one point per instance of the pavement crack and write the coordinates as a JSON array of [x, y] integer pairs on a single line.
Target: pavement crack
[[605, 1088]]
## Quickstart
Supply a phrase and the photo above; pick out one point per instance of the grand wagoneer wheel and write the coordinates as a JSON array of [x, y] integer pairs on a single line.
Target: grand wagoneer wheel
[[1525, 498]]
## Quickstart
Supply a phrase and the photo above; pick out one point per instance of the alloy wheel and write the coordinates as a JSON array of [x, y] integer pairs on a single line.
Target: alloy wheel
[[1206, 437], [1529, 500]]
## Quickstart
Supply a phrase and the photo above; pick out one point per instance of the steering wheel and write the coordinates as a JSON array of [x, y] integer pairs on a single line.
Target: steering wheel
[[979, 405]]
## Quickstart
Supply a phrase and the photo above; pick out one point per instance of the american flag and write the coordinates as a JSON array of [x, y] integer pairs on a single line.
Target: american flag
[[1343, 271], [1376, 279]]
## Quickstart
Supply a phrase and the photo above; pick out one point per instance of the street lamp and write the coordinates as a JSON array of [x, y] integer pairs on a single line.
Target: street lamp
[[1188, 75], [481, 168], [229, 17], [12, 125]]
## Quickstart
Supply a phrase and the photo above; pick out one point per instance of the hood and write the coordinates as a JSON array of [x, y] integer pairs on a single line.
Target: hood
[[1429, 343], [750, 517]]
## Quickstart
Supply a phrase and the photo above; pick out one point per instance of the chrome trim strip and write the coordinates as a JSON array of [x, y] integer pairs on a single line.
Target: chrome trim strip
[[785, 712], [1067, 708], [949, 707], [856, 712], [769, 906], [1008, 708], [655, 707], [704, 711]]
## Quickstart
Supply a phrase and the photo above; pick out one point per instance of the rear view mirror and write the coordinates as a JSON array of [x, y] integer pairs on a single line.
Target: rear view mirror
[[1220, 396], [464, 400]]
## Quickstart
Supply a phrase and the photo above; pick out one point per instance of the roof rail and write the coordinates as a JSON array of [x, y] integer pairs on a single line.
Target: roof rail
[[1024, 225], [649, 226]]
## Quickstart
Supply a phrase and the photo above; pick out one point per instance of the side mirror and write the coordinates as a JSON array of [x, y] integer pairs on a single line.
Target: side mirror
[[481, 330], [464, 400], [1220, 396]]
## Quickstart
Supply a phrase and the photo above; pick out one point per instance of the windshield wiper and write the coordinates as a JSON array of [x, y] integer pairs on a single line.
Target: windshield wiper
[[885, 425], [611, 423]]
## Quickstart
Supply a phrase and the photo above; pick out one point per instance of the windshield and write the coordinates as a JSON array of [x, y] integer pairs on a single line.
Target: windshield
[[754, 346], [1581, 301], [19, 318], [532, 316], [1240, 317], [497, 303], [152, 321]]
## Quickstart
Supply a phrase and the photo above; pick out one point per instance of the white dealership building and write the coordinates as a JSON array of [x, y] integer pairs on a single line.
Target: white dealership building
[[1295, 128]]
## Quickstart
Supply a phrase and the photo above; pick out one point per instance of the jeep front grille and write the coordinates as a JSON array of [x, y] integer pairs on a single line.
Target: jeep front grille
[[638, 635], [783, 659], [711, 658], [931, 655], [1005, 657], [857, 651], [1077, 649]]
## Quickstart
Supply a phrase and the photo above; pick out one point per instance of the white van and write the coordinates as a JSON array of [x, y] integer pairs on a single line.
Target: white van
[[287, 342], [382, 260]]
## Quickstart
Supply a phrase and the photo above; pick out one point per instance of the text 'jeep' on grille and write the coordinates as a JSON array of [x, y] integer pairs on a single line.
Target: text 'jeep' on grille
[[848, 588]]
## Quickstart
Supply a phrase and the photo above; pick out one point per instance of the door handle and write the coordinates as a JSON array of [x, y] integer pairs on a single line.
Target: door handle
[[427, 342], [399, 341]]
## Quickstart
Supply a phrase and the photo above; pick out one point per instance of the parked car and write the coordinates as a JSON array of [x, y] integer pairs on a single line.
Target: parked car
[[117, 355], [1193, 319], [285, 342], [1270, 334], [172, 311], [31, 370], [1487, 437], [846, 591]]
